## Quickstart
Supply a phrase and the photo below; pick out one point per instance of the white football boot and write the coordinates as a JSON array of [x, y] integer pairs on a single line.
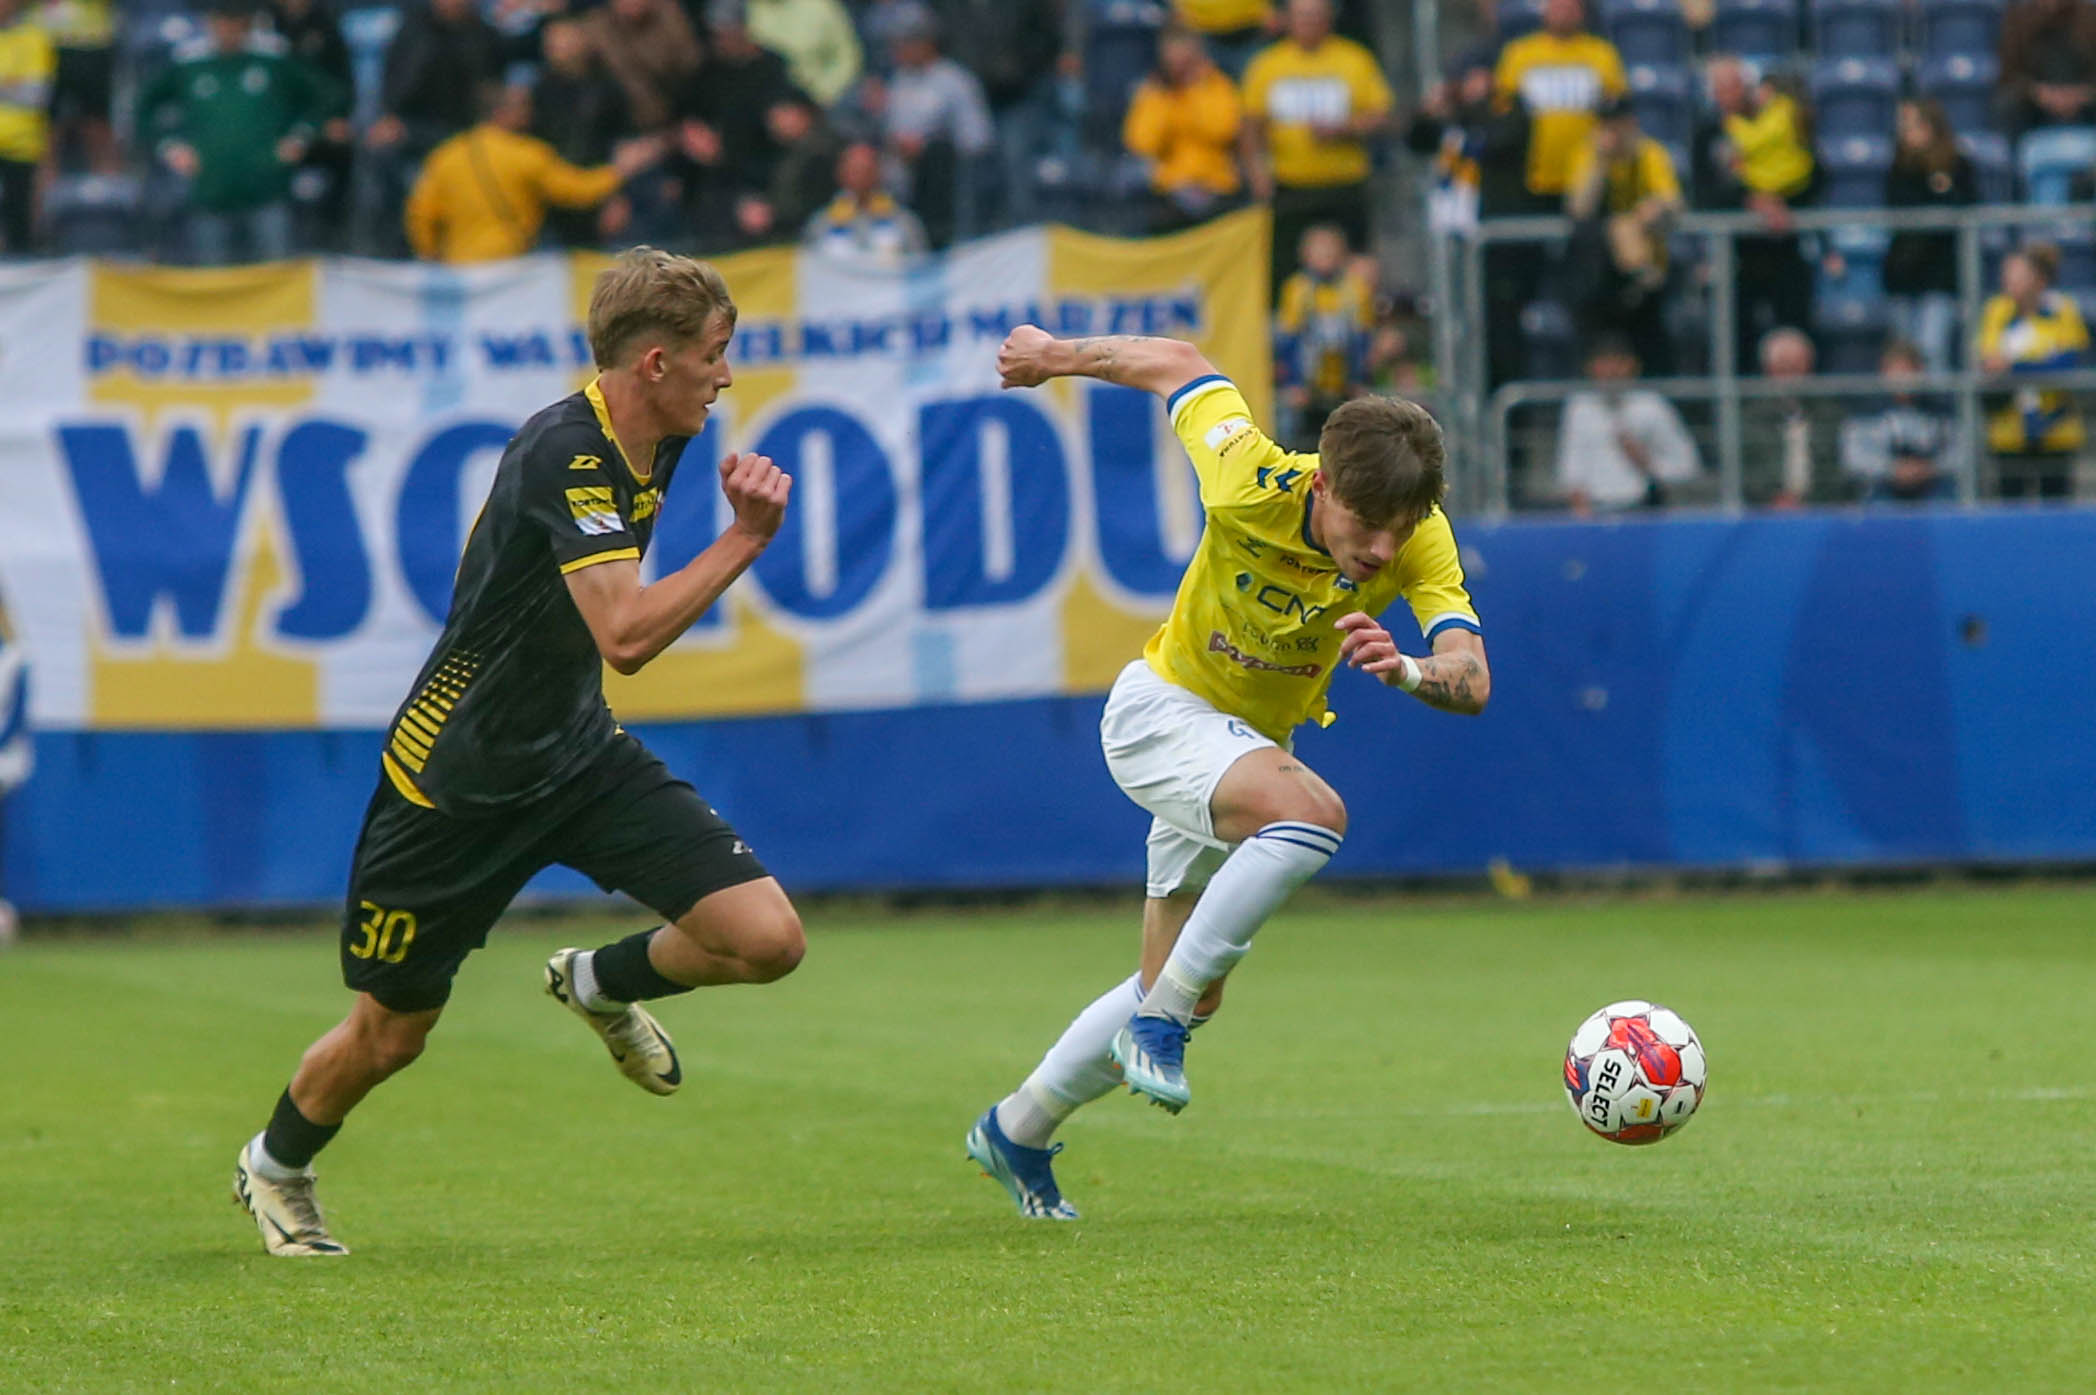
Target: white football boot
[[285, 1212], [639, 1047]]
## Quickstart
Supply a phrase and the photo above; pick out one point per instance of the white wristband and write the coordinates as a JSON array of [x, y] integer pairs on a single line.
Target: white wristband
[[1408, 674]]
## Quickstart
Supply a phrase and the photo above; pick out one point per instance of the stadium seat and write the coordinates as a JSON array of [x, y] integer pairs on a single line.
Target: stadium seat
[[1519, 17], [1855, 168], [1960, 26], [2077, 259], [1647, 31], [1992, 164], [1851, 334], [1765, 32], [1856, 28], [1964, 83], [2052, 157], [1855, 96], [1664, 105]]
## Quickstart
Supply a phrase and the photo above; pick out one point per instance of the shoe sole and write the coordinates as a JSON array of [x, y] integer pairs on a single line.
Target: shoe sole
[[1142, 1087]]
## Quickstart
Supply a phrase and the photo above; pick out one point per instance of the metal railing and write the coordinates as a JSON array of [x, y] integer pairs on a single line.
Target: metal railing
[[1477, 420]]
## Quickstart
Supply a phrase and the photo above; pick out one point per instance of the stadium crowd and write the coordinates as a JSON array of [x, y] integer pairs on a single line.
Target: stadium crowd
[[468, 130]]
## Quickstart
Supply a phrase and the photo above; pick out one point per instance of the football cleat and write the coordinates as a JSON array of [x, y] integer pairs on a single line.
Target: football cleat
[[1027, 1173], [1151, 1052], [285, 1212], [639, 1047]]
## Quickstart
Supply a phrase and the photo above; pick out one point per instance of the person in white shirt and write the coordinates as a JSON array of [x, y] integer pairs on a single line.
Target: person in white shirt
[[1620, 446]]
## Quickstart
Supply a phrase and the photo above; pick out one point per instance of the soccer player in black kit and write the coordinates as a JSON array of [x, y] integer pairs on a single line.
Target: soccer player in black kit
[[504, 759]]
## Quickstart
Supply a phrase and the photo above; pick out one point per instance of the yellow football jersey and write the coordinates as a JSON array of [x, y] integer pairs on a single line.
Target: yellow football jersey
[[1252, 629]]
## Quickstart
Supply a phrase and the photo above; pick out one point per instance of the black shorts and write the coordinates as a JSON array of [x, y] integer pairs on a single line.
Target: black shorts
[[82, 86], [426, 887]]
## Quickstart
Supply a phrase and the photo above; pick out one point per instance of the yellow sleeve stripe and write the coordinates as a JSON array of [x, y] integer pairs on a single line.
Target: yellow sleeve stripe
[[402, 783], [410, 747], [406, 754], [420, 725], [617, 554]]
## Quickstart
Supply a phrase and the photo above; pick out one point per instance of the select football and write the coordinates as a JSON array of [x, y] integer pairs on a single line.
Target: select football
[[1634, 1072]]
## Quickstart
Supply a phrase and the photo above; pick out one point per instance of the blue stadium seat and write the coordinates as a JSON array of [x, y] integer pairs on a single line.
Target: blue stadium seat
[[1992, 163], [1964, 83], [2051, 157], [1855, 96], [1763, 31], [1960, 26], [2077, 259], [1855, 167], [1851, 334], [1647, 31], [1664, 104], [1519, 17], [1857, 28]]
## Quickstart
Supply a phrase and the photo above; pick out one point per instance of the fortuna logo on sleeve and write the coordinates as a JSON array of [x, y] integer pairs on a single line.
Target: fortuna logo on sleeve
[[1221, 435], [594, 510]]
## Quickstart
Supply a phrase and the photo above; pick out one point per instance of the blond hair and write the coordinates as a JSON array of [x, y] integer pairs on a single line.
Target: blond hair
[[1383, 458], [651, 294]]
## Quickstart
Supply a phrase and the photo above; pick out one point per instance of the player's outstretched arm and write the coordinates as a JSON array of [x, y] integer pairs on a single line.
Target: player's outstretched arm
[[1454, 678], [1031, 356], [632, 623]]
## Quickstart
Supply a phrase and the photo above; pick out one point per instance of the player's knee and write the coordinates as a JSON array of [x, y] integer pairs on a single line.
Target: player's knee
[[774, 947], [1318, 806]]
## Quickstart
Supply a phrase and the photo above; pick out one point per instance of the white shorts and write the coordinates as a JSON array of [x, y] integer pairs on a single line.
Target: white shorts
[[1168, 749]]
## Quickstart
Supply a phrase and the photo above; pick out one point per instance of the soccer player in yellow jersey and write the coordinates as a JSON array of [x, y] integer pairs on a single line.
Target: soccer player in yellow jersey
[[1299, 556]]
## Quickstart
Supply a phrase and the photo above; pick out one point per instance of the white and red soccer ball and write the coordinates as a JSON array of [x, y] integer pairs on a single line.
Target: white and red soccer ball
[[1634, 1072]]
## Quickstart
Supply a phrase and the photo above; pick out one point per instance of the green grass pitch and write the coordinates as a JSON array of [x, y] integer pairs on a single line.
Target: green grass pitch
[[1378, 1187]]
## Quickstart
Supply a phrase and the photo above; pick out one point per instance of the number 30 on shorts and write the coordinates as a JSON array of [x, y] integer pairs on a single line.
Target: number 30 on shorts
[[385, 935]]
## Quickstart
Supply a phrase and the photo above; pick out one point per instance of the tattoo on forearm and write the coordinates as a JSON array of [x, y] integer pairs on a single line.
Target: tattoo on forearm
[[1449, 682], [1105, 357]]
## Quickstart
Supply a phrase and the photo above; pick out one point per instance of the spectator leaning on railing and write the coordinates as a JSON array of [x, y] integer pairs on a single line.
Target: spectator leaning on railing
[[1184, 123], [1921, 268], [1903, 449], [1757, 156], [2032, 328], [1312, 101], [1622, 192], [482, 195], [28, 62], [1620, 446], [233, 119]]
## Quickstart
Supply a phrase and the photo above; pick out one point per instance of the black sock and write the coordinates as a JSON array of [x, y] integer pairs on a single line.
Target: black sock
[[624, 974], [291, 1138]]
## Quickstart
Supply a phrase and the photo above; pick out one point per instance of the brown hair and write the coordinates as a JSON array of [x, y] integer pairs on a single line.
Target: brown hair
[[2044, 258], [1383, 458], [647, 293], [1940, 155]]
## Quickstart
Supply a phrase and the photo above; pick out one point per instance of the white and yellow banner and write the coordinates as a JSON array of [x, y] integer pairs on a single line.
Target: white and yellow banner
[[236, 498]]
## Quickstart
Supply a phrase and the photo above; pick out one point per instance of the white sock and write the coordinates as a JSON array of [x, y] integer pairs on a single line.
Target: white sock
[[1250, 886], [258, 1158], [1075, 1071], [584, 968]]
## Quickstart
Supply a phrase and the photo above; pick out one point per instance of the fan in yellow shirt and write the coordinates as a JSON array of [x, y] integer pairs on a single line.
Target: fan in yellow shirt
[[27, 63], [1184, 122], [1299, 554], [1562, 75], [482, 195]]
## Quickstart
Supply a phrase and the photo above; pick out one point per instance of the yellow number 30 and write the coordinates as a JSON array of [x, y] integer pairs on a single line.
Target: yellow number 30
[[386, 934]]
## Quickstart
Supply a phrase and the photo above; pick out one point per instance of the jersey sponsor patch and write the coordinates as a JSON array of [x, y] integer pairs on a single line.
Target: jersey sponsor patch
[[594, 510], [1227, 434], [1219, 645]]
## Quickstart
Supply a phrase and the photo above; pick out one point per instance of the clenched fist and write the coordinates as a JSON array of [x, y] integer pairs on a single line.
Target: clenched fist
[[757, 491]]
